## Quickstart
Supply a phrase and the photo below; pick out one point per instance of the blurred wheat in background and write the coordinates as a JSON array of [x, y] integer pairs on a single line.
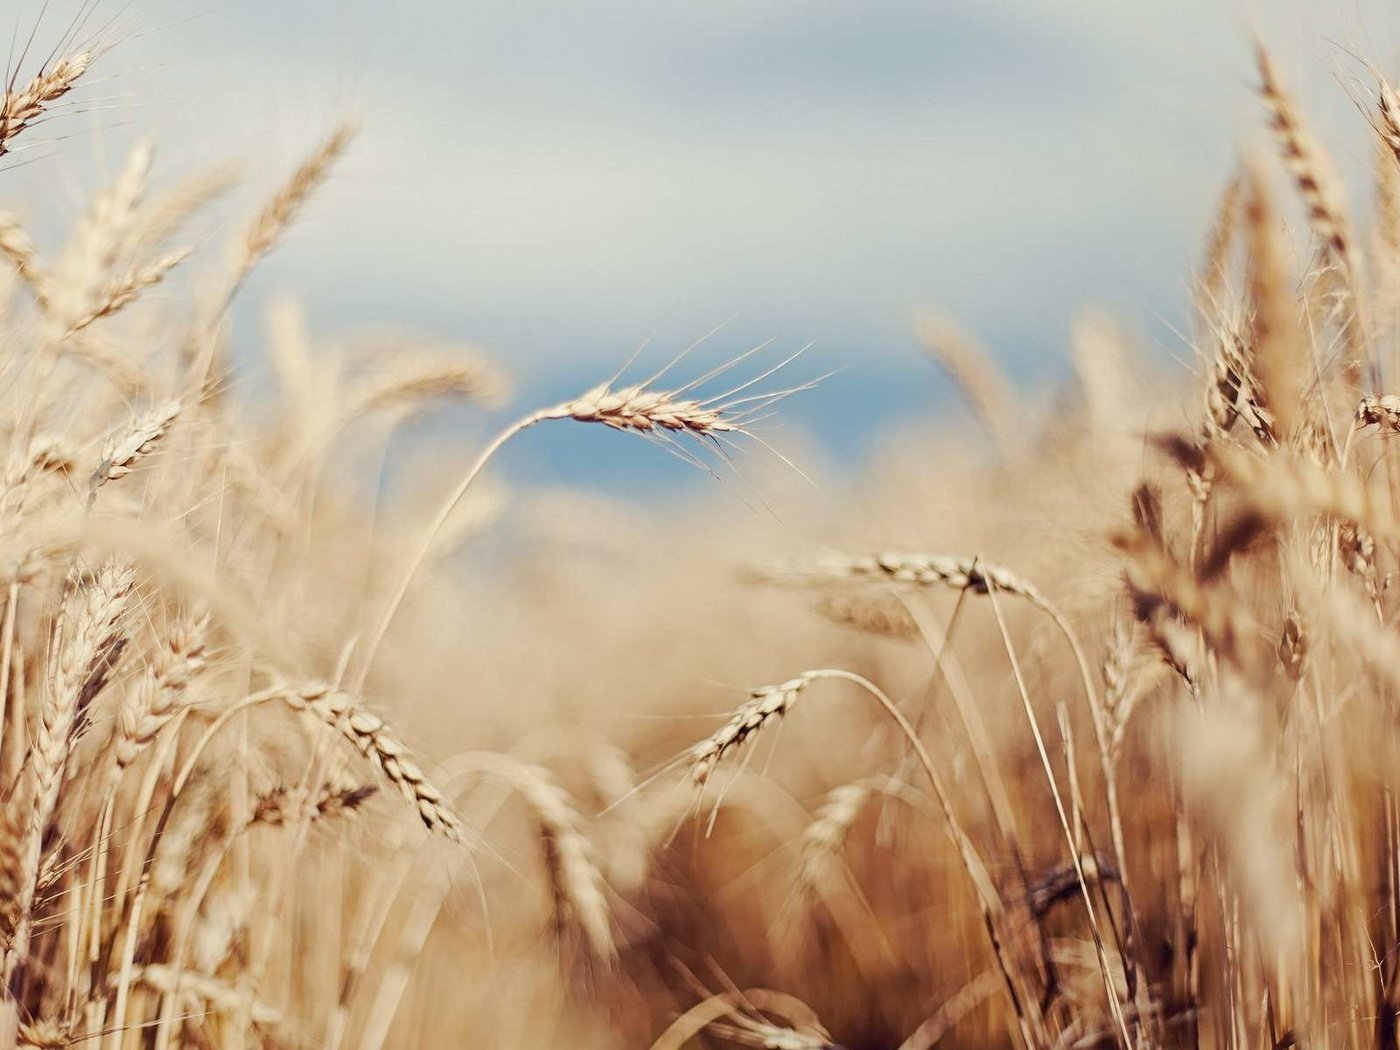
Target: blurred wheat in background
[[1111, 759]]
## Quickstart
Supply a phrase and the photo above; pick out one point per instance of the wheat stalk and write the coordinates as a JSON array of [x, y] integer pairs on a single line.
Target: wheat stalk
[[638, 408]]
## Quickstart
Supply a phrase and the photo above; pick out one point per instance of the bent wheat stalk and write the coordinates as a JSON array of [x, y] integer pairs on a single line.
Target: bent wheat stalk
[[967, 574], [639, 409], [773, 702]]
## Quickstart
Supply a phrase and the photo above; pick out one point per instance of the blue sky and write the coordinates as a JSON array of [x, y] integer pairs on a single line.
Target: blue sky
[[559, 182]]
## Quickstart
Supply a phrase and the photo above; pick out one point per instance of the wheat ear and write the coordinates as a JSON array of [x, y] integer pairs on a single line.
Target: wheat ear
[[640, 409], [22, 106], [279, 212], [1279, 355], [125, 448], [373, 739], [87, 636], [575, 880], [1306, 163], [162, 692], [766, 705]]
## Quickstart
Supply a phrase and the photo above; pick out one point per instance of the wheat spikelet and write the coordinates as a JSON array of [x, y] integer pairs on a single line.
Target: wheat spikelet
[[14, 817], [766, 704], [87, 636], [882, 614], [1279, 357], [642, 409], [1232, 391], [125, 448], [416, 378], [41, 1034], [973, 372], [746, 1026], [281, 805], [1158, 584], [100, 241], [51, 454], [21, 107], [128, 288], [17, 246], [162, 692], [575, 879], [1387, 125], [825, 837], [279, 212], [765, 1035], [1381, 410], [167, 214], [1311, 173], [208, 993], [957, 572], [1294, 646], [372, 738], [1281, 487], [1215, 262], [1386, 238], [1121, 686], [1101, 365]]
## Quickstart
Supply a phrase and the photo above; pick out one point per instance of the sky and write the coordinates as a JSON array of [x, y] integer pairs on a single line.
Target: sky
[[560, 183]]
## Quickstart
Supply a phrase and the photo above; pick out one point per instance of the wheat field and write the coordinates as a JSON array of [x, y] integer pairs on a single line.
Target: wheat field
[[1104, 752]]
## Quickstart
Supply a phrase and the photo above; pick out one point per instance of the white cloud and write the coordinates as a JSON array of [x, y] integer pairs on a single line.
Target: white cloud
[[572, 176]]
